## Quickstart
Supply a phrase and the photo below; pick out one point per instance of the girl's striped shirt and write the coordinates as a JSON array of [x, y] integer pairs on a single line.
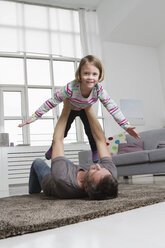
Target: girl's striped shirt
[[73, 93]]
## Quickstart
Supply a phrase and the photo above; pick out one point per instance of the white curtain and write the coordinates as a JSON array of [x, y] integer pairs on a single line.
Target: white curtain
[[89, 32], [39, 29], [90, 38]]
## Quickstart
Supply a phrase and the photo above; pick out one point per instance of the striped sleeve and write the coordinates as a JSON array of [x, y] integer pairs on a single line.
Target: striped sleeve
[[59, 96], [112, 108]]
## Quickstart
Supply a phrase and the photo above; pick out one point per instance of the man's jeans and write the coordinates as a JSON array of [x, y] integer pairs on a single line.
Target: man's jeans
[[38, 170]]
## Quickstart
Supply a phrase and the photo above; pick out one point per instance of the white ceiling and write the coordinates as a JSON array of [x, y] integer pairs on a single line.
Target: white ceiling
[[144, 25], [87, 4]]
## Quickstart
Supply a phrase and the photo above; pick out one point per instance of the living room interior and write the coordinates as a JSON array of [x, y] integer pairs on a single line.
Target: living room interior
[[129, 37]]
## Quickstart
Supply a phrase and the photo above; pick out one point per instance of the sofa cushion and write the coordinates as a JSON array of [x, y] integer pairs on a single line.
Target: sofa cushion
[[150, 138], [131, 147], [157, 155], [131, 158], [160, 144]]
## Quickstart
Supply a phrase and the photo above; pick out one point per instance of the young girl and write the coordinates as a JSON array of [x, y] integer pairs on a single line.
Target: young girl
[[85, 90]]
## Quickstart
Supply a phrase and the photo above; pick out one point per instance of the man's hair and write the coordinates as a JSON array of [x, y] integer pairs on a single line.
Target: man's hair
[[106, 188], [92, 60]]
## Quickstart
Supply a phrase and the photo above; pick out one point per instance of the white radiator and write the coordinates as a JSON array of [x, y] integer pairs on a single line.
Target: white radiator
[[16, 161]]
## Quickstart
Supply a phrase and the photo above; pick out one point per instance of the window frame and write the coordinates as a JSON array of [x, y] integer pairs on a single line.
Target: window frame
[[13, 88], [24, 92]]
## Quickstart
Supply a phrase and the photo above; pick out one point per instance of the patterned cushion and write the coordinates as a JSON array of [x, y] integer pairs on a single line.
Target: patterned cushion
[[114, 141]]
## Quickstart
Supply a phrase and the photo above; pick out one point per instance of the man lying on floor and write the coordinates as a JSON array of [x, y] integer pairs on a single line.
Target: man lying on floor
[[67, 180]]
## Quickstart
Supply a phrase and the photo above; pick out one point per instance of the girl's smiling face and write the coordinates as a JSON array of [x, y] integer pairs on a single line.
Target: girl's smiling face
[[89, 76]]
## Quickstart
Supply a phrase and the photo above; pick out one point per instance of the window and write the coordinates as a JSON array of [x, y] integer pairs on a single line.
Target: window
[[28, 85], [65, 33], [39, 29], [38, 72], [35, 60], [40, 49], [12, 111], [24, 93], [15, 133], [8, 22], [12, 103], [11, 71], [41, 132], [64, 72], [36, 98]]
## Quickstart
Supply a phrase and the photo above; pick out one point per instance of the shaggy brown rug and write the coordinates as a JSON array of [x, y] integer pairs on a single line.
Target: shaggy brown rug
[[31, 213]]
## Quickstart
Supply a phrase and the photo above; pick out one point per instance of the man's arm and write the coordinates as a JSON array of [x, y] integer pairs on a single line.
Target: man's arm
[[58, 137], [98, 133]]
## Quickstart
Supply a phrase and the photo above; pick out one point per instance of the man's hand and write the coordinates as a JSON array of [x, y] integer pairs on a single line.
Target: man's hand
[[67, 105], [89, 108], [132, 132]]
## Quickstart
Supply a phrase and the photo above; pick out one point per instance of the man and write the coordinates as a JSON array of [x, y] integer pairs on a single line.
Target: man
[[67, 180]]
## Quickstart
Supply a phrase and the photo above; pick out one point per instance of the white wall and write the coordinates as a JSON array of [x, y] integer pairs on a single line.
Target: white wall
[[132, 72], [112, 12], [161, 57]]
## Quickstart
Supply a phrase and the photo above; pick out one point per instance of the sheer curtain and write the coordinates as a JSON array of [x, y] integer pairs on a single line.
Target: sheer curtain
[[89, 32], [39, 29], [90, 38]]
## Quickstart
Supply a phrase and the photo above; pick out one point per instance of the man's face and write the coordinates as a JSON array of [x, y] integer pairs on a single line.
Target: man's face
[[96, 173]]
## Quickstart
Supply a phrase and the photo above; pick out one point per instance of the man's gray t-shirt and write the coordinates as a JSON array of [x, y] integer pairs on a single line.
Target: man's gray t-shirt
[[62, 181]]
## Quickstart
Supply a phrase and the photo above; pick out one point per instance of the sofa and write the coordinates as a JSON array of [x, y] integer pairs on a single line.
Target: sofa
[[150, 160]]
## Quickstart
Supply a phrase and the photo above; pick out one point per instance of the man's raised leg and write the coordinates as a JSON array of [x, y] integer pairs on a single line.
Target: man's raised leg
[[38, 170]]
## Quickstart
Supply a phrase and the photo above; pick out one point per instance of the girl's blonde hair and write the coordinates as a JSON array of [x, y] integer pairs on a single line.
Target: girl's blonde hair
[[92, 60]]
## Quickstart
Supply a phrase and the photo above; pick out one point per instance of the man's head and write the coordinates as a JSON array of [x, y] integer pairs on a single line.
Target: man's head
[[100, 184]]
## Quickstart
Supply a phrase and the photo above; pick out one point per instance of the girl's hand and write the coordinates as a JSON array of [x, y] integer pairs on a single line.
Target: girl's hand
[[26, 122], [133, 133]]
